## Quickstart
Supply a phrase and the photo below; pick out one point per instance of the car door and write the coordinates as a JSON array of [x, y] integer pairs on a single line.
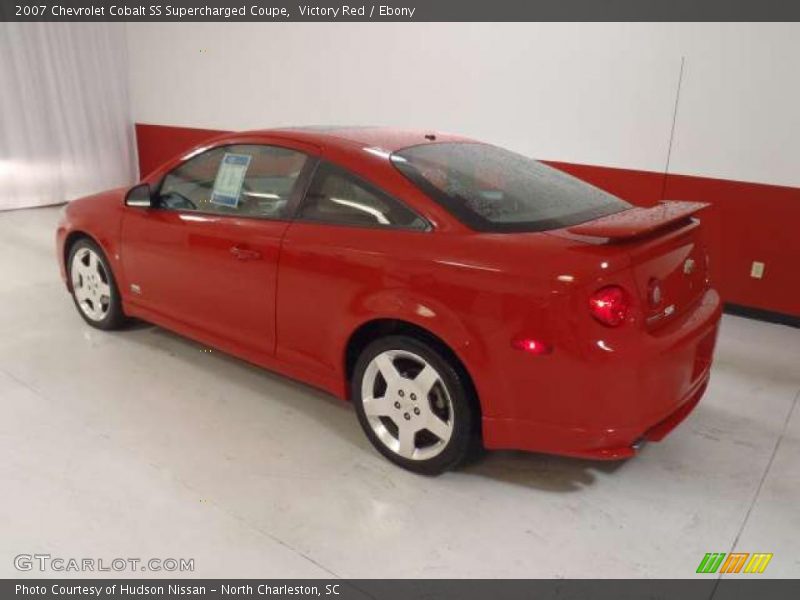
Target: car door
[[206, 254], [337, 251]]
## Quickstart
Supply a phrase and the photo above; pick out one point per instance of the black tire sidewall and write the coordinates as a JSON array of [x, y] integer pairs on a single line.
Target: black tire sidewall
[[115, 317], [459, 445]]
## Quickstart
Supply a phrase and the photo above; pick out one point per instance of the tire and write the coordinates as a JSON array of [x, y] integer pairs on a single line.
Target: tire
[[388, 390], [93, 287]]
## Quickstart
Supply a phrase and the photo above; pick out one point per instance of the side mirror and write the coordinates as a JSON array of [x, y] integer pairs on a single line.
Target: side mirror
[[140, 196]]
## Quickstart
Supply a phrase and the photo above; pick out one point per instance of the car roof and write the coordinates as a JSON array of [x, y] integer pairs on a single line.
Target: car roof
[[390, 139]]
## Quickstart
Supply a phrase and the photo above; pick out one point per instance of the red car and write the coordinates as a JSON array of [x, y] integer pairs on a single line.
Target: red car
[[457, 293]]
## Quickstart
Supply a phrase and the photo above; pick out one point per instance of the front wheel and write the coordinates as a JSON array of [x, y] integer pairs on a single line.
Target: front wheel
[[413, 404], [94, 289]]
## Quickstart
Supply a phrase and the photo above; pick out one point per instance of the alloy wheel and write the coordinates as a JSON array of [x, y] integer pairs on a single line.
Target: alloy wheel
[[90, 284], [407, 404]]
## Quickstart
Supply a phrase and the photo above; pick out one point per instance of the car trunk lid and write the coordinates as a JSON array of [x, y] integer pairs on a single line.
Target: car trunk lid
[[668, 257]]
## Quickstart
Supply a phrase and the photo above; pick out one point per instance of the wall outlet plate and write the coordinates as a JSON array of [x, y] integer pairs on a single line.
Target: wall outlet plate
[[757, 270]]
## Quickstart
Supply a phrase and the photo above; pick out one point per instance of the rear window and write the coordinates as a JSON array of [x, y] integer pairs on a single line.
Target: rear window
[[491, 189]]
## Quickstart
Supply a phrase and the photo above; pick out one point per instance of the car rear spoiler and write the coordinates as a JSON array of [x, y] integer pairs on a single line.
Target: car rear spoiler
[[637, 222]]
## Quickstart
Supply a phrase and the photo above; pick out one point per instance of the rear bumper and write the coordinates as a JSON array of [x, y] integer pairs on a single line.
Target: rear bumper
[[605, 407], [656, 433]]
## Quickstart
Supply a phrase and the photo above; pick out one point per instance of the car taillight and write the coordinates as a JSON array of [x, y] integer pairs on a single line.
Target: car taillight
[[610, 305]]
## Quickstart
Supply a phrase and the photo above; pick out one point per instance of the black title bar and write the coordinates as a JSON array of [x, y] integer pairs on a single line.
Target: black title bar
[[745, 587], [400, 10]]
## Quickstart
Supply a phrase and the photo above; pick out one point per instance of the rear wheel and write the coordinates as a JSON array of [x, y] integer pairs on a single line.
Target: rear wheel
[[93, 287], [413, 404]]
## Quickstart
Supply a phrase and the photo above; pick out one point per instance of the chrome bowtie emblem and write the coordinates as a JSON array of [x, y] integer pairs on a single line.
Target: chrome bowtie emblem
[[688, 266]]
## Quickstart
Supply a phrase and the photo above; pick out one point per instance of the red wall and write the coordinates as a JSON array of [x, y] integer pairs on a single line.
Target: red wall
[[157, 144], [746, 222]]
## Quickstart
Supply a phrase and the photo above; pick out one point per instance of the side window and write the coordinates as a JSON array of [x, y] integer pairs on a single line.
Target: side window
[[242, 180], [336, 196]]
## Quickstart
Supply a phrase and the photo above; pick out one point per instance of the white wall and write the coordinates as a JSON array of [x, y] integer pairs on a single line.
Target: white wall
[[587, 93], [65, 122]]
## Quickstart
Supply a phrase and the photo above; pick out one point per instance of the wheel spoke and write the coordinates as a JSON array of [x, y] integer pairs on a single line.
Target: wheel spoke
[[79, 269], [377, 407], [104, 290], [81, 293], [91, 308], [93, 263], [437, 427], [405, 439], [426, 379], [387, 369]]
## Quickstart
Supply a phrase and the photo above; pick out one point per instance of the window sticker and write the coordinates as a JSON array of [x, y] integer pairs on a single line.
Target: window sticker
[[230, 178]]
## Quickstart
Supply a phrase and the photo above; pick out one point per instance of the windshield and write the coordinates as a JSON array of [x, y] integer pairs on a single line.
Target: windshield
[[491, 189]]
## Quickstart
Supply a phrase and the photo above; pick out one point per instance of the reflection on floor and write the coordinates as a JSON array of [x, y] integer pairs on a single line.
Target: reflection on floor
[[137, 444]]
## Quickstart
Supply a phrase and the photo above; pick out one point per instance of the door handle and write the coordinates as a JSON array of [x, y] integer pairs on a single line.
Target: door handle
[[245, 253]]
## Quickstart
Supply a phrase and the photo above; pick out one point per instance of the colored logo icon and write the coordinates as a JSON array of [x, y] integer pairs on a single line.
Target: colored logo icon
[[736, 562]]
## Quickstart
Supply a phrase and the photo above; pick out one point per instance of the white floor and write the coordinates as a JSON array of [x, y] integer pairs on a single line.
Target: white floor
[[138, 444]]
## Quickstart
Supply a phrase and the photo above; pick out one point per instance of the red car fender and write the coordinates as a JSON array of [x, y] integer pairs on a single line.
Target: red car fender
[[99, 218], [429, 315]]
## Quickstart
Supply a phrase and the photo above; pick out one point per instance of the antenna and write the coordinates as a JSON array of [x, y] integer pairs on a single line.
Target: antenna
[[672, 131]]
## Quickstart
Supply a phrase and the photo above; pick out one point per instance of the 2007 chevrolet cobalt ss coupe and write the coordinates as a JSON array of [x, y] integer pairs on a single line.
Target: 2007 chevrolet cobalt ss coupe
[[457, 293]]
